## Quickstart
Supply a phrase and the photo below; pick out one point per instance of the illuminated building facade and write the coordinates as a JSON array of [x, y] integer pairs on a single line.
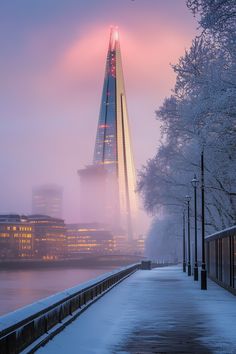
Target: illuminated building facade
[[136, 246], [47, 200], [49, 237], [139, 245], [46, 238], [16, 237], [88, 238], [113, 150], [34, 236]]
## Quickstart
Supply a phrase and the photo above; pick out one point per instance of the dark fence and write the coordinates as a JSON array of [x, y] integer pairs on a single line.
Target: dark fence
[[221, 258], [30, 327]]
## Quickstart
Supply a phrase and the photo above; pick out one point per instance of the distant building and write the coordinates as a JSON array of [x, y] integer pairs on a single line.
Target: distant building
[[47, 200], [139, 245], [49, 237], [93, 191], [34, 236], [124, 246], [121, 244], [16, 237], [88, 238]]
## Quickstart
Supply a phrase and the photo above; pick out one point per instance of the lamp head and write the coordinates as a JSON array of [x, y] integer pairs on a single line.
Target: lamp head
[[187, 198], [195, 181]]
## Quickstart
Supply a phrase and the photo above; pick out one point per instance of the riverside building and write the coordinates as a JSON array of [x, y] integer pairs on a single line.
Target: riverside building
[[88, 238], [16, 237], [49, 237], [34, 236]]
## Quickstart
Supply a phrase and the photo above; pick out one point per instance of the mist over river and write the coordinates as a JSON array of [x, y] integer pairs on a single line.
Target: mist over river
[[22, 287]]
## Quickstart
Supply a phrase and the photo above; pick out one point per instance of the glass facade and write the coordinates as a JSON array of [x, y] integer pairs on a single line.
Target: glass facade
[[105, 151], [221, 258], [16, 241], [89, 238], [49, 237], [113, 144]]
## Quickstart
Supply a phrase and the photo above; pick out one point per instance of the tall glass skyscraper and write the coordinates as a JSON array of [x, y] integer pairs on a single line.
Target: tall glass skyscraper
[[113, 145], [113, 151]]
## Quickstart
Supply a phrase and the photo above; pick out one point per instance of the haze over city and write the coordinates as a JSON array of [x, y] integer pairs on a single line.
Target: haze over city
[[118, 183], [52, 69]]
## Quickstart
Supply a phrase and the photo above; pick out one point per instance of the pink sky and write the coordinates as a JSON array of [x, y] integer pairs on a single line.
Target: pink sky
[[52, 79]]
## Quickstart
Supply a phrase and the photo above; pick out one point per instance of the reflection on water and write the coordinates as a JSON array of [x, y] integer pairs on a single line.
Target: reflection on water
[[22, 287]]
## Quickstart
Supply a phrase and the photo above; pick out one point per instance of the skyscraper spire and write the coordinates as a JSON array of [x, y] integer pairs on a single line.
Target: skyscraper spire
[[113, 144], [114, 38]]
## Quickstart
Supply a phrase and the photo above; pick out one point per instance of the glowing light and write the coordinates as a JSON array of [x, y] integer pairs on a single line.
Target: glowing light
[[116, 35]]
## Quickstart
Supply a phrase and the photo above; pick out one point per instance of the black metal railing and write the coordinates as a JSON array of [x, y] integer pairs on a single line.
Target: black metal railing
[[221, 258], [30, 327]]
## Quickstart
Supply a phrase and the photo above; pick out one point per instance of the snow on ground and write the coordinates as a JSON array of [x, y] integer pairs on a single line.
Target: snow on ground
[[158, 311]]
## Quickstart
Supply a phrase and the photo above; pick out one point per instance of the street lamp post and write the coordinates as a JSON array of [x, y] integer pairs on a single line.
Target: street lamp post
[[188, 198], [184, 250], [195, 184], [203, 270]]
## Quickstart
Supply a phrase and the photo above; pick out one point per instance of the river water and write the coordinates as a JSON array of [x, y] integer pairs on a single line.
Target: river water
[[22, 287]]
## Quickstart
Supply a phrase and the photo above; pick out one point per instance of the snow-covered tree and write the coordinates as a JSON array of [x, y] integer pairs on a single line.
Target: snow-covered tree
[[163, 249], [200, 114], [217, 16]]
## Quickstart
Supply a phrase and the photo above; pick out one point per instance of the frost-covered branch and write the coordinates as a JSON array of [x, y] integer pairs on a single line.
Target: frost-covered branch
[[201, 112]]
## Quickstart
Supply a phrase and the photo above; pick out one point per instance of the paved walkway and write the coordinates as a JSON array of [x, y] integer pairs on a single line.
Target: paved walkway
[[158, 311]]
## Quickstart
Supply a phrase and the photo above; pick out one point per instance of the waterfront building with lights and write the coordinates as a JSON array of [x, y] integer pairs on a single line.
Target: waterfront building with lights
[[16, 237], [88, 238], [49, 237]]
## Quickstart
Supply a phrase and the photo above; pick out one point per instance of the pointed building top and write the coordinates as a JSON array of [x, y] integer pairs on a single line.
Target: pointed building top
[[114, 37], [113, 148]]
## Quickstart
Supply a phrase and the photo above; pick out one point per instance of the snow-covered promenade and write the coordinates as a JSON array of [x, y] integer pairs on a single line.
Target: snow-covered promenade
[[157, 311]]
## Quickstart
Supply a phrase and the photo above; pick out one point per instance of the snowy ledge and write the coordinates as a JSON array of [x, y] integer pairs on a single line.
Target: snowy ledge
[[15, 320], [231, 231]]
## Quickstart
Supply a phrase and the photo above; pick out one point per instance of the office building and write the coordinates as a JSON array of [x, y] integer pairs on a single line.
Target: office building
[[113, 152], [16, 237], [89, 238], [49, 237], [47, 200]]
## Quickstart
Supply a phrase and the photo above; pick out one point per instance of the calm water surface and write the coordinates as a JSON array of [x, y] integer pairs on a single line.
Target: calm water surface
[[22, 287]]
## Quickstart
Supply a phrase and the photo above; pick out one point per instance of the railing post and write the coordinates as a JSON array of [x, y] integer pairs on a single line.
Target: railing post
[[46, 324], [70, 307]]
